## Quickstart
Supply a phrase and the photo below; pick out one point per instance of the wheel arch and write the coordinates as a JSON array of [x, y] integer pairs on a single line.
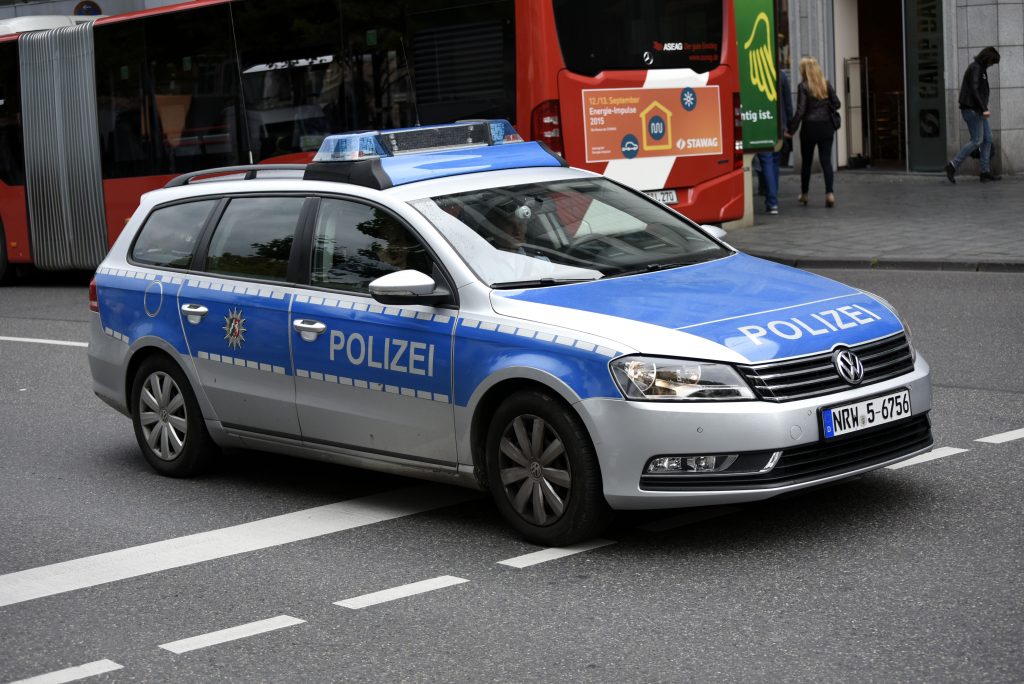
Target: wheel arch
[[146, 348], [488, 398]]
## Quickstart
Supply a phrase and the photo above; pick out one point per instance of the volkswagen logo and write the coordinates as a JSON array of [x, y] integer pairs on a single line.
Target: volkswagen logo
[[848, 366]]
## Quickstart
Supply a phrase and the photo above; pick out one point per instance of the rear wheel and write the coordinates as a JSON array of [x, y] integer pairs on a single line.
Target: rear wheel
[[543, 472], [168, 423]]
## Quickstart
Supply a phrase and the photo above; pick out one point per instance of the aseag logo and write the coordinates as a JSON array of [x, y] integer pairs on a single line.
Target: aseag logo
[[667, 47]]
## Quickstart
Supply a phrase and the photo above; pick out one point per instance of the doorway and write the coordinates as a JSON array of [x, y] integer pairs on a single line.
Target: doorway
[[882, 82]]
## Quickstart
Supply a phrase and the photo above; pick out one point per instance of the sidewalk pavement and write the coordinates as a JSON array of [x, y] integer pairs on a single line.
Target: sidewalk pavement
[[888, 220]]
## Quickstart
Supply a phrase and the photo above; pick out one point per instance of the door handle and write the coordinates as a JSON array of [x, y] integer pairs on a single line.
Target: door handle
[[194, 312], [309, 330]]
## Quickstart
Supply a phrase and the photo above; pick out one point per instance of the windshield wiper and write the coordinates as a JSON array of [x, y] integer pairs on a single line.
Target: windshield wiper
[[650, 268], [540, 282]]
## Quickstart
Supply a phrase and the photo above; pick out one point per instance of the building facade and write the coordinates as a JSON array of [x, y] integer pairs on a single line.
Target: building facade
[[898, 65]]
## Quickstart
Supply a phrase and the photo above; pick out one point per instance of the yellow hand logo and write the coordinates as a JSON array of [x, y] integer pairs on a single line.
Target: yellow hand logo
[[762, 63]]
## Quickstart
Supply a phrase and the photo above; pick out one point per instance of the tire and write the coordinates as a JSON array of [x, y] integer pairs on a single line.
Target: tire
[[168, 423], [542, 471]]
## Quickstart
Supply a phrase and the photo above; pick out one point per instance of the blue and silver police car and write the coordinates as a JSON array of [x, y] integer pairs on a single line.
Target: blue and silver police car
[[453, 303]]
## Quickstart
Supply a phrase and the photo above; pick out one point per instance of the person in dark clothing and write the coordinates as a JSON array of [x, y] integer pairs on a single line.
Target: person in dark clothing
[[974, 93], [816, 100], [770, 160]]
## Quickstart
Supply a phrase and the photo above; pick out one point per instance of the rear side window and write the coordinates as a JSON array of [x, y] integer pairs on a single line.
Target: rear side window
[[254, 237], [355, 244], [170, 234]]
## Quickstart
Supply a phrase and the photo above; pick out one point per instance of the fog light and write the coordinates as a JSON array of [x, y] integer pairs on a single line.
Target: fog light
[[691, 464], [701, 464], [665, 464]]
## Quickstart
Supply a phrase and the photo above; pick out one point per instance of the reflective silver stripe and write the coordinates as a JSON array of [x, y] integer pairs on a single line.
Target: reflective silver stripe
[[67, 222]]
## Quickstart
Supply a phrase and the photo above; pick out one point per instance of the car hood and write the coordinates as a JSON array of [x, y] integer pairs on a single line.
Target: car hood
[[758, 310]]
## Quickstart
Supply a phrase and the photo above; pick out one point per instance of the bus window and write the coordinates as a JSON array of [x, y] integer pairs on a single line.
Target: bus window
[[290, 68], [12, 153], [464, 62], [193, 79], [126, 131], [166, 89], [611, 36]]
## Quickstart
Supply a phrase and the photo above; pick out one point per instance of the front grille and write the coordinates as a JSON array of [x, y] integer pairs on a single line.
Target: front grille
[[814, 376], [813, 461]]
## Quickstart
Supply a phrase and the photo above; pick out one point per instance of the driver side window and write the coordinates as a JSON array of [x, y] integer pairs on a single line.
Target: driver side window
[[354, 244]]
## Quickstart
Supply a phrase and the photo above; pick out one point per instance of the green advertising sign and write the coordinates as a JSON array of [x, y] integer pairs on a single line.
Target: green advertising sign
[[758, 72]]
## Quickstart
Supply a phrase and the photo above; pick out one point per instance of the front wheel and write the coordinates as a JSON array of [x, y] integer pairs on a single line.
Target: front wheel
[[168, 423], [543, 472]]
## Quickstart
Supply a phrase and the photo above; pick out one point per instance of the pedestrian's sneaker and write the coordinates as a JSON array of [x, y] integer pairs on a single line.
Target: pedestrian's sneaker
[[774, 211], [950, 172], [989, 176]]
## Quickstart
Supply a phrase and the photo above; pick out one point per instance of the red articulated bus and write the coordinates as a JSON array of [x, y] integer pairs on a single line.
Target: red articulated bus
[[93, 116]]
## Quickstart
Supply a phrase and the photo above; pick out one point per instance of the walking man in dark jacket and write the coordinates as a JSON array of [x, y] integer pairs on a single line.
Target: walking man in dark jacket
[[974, 93]]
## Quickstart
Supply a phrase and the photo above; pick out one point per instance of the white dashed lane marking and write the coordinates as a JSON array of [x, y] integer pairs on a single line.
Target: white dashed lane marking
[[232, 634], [36, 340], [90, 571], [72, 674], [1003, 437], [545, 555], [403, 591], [941, 452]]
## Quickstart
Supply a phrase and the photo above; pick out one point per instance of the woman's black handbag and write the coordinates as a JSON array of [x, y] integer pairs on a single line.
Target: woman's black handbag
[[833, 108]]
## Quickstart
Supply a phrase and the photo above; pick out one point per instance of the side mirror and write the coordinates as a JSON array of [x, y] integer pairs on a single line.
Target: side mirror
[[408, 287], [715, 231]]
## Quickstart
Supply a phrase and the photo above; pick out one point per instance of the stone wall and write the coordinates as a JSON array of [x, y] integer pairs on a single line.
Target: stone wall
[[970, 26]]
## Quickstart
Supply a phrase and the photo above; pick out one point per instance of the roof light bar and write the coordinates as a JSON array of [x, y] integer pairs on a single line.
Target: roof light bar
[[400, 141]]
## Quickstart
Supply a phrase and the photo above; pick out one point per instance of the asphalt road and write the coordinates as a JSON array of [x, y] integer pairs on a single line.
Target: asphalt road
[[909, 574]]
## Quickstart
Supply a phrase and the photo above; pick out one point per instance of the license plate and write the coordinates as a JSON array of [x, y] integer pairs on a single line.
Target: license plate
[[842, 420], [663, 196]]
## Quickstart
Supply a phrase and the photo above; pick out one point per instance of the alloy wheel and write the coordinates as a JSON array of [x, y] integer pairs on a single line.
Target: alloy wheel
[[163, 416], [535, 471]]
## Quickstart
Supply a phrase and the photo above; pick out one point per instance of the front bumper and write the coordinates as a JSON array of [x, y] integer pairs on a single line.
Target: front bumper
[[628, 433]]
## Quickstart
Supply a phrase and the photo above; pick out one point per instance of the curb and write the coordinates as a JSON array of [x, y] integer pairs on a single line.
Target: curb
[[896, 263]]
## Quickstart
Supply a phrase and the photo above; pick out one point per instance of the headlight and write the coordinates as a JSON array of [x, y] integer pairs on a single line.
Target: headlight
[[655, 378], [903, 322]]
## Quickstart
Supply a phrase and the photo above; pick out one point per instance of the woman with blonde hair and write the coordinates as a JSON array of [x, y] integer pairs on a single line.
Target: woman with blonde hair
[[816, 108]]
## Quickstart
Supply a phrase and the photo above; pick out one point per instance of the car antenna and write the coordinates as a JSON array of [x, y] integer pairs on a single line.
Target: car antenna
[[412, 86]]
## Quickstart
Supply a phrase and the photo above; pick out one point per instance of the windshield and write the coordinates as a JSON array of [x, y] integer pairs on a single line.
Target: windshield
[[639, 34], [566, 231]]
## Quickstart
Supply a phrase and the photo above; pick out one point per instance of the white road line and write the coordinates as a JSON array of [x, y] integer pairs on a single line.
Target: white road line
[[1003, 437], [35, 340], [70, 575], [545, 555], [941, 452], [400, 592], [72, 674], [687, 518], [232, 634]]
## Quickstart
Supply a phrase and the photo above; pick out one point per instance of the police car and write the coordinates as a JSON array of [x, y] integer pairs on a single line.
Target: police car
[[453, 303]]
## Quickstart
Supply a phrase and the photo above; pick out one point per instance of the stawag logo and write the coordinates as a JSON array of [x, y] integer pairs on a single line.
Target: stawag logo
[[821, 323]]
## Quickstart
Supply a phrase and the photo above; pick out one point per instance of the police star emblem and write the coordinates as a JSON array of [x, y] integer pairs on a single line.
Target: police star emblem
[[234, 328]]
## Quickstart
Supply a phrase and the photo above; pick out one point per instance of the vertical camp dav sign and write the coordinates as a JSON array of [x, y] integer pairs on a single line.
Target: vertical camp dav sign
[[758, 72]]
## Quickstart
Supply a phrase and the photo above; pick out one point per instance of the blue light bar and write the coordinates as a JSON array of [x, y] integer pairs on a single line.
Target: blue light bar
[[416, 140]]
